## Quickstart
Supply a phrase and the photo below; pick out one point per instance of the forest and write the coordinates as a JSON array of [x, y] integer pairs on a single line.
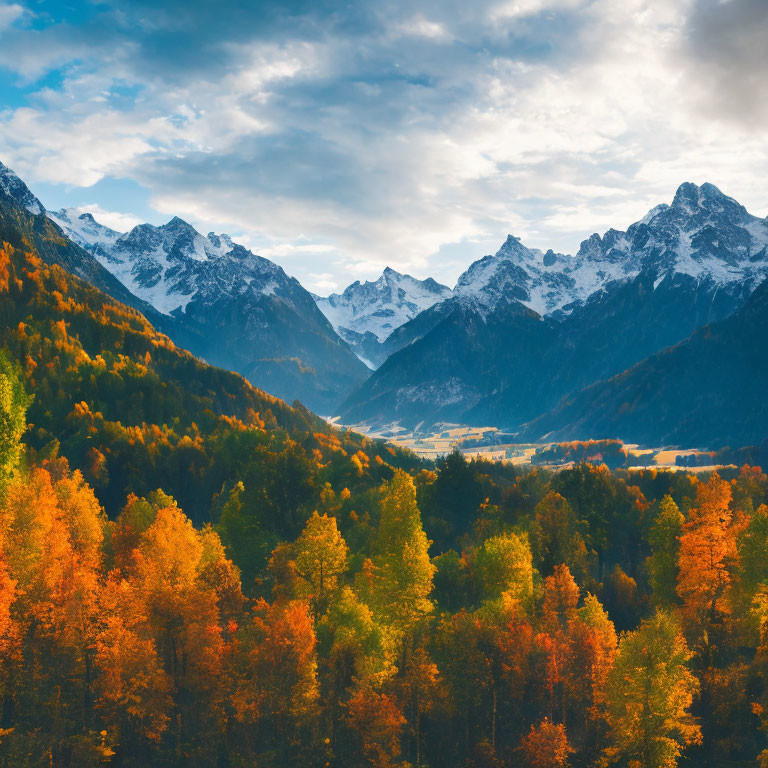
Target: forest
[[193, 573]]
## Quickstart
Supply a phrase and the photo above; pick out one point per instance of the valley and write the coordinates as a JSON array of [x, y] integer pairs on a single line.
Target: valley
[[215, 576], [491, 444], [642, 333]]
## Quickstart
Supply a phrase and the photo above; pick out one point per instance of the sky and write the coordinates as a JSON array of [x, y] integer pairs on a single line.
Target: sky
[[337, 138]]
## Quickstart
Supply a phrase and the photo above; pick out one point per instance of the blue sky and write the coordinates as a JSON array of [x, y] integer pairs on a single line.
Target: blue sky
[[337, 138]]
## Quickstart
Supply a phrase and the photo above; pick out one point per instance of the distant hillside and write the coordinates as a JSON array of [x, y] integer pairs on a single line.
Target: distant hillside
[[708, 391]]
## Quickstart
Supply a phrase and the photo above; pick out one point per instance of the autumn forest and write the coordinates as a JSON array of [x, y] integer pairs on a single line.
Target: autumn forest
[[193, 573]]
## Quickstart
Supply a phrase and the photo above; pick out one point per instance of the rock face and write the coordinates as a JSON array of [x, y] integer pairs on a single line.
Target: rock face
[[366, 314], [225, 304], [623, 297]]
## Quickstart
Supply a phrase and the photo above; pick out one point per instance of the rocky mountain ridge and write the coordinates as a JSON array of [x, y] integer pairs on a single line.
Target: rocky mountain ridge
[[623, 297], [366, 314]]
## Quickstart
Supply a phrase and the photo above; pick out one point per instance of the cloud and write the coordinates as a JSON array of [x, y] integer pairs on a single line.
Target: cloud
[[341, 138], [9, 12], [121, 222], [727, 50], [419, 26], [513, 9]]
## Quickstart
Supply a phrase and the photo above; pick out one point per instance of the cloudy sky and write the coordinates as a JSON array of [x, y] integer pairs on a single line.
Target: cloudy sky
[[340, 137]]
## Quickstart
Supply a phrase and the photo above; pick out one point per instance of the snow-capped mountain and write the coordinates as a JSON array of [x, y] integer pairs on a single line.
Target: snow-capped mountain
[[172, 264], [13, 187], [83, 229], [366, 314], [228, 305], [622, 297], [17, 201], [703, 234]]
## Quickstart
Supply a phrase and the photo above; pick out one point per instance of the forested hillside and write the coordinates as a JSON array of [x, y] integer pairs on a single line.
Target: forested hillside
[[581, 618], [193, 573], [134, 412]]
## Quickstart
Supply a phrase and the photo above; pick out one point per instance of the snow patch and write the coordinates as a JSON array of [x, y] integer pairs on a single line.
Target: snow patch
[[171, 265]]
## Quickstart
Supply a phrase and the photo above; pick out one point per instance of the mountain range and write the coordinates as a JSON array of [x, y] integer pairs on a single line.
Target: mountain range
[[610, 342], [213, 297], [525, 329]]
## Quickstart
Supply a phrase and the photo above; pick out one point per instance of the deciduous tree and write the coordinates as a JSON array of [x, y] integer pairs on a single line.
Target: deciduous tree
[[556, 536], [503, 564], [664, 538], [320, 555], [649, 693], [707, 546], [398, 581], [546, 746]]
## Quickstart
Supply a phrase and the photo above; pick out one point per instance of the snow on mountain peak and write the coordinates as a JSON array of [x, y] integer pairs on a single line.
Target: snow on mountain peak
[[707, 199], [527, 275], [12, 186], [704, 234], [173, 264], [379, 307]]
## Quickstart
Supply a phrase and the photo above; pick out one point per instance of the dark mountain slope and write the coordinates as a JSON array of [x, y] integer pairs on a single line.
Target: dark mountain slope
[[615, 329], [453, 365], [709, 390]]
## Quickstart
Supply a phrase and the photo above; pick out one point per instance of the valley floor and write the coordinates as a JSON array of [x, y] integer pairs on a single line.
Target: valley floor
[[492, 444]]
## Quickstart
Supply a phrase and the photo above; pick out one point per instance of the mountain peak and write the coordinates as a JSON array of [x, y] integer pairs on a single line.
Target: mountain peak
[[513, 246], [177, 224], [12, 186], [686, 192], [366, 314], [691, 198]]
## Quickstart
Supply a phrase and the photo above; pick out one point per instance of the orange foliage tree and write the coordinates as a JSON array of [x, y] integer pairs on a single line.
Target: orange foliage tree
[[546, 746], [707, 545]]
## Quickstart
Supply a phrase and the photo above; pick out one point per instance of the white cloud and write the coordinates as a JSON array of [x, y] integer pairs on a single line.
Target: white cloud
[[513, 9], [9, 12], [419, 26], [121, 222], [342, 151], [322, 284]]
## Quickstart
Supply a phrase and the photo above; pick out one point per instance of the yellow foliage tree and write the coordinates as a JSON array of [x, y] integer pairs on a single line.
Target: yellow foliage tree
[[649, 693]]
